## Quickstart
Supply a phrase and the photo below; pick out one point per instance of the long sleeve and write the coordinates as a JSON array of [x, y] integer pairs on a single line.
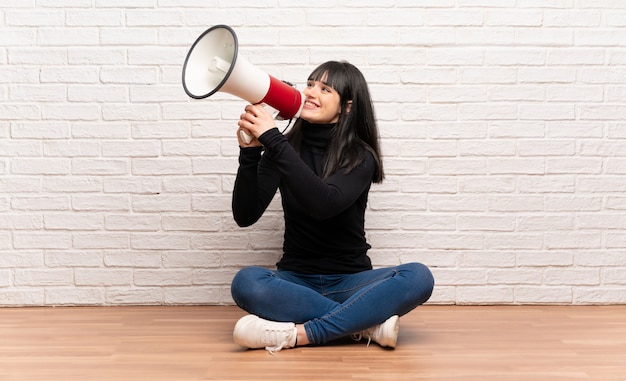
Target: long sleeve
[[254, 188]]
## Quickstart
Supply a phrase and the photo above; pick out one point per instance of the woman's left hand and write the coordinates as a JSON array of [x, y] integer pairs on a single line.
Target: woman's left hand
[[256, 120]]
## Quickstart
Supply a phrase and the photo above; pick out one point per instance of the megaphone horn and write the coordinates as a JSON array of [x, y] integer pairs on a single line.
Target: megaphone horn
[[213, 64]]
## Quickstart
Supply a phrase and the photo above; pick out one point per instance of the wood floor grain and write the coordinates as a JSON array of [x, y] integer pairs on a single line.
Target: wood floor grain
[[464, 343]]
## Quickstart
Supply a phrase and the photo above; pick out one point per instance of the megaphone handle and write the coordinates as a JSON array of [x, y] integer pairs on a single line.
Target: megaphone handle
[[245, 137], [275, 114]]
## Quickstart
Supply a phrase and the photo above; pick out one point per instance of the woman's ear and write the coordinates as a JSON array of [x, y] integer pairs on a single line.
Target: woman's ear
[[348, 106]]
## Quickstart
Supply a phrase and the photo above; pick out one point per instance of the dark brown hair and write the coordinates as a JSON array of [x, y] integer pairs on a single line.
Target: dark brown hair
[[356, 132]]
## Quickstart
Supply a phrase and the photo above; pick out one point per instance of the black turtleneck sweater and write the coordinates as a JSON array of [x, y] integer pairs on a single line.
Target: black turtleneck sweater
[[324, 219]]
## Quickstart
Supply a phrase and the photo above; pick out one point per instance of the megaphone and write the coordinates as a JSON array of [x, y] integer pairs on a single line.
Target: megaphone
[[213, 64]]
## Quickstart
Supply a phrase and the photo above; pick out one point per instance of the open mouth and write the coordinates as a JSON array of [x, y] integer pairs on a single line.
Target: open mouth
[[310, 104]]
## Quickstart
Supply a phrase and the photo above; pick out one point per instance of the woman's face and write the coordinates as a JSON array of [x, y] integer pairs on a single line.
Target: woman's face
[[321, 104]]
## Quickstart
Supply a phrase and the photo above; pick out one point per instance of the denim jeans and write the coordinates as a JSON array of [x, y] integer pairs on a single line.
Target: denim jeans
[[332, 306]]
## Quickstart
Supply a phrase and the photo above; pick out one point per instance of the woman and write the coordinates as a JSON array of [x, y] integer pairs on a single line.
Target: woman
[[324, 287]]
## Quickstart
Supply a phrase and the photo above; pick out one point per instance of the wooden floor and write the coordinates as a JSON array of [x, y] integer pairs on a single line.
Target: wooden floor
[[462, 343]]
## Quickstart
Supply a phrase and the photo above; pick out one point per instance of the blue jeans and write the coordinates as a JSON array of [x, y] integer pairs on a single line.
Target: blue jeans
[[332, 306]]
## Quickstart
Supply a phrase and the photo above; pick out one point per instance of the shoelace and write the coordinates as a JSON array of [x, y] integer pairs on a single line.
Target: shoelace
[[280, 337], [359, 336]]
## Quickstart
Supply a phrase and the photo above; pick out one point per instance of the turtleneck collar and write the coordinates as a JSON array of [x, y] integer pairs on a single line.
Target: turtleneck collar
[[316, 135]]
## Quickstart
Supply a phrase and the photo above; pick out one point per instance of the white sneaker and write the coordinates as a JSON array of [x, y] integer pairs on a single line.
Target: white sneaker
[[385, 334], [253, 332]]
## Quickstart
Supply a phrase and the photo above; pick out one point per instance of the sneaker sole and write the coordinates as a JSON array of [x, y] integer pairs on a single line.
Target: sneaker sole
[[391, 327]]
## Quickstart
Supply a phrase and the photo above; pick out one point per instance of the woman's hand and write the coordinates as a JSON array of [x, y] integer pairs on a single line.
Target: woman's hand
[[254, 122]]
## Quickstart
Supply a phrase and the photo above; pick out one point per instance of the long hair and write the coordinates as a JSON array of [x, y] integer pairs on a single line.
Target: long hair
[[356, 132]]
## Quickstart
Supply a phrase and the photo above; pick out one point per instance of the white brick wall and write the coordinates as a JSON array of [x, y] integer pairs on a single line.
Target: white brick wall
[[503, 125]]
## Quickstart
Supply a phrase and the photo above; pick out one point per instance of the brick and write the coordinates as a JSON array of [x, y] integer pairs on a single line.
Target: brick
[[131, 149], [22, 297], [161, 18], [139, 259], [485, 295], [67, 258], [500, 259], [155, 241], [196, 184], [599, 295], [431, 184], [508, 18], [464, 17], [457, 166], [133, 185], [7, 241], [134, 296], [212, 277], [543, 295], [133, 222], [41, 240], [190, 223], [137, 112], [160, 166], [490, 184], [74, 296], [40, 203], [547, 112], [98, 202], [24, 258], [514, 241], [556, 203], [456, 203], [211, 241], [102, 277], [455, 241], [71, 112], [114, 36], [487, 148], [161, 203], [96, 93], [5, 278], [516, 203], [99, 130], [100, 241], [397, 240], [21, 222], [161, 277], [43, 278], [20, 112], [386, 202], [17, 36], [192, 259], [515, 276], [193, 296], [515, 56], [569, 240], [101, 17], [96, 56], [486, 223], [545, 223], [74, 222], [32, 93]]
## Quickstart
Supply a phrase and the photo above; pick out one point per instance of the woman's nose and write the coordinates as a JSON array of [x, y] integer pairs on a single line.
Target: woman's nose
[[311, 91]]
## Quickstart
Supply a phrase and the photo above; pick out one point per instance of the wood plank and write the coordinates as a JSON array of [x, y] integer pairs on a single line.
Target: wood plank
[[486, 343]]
